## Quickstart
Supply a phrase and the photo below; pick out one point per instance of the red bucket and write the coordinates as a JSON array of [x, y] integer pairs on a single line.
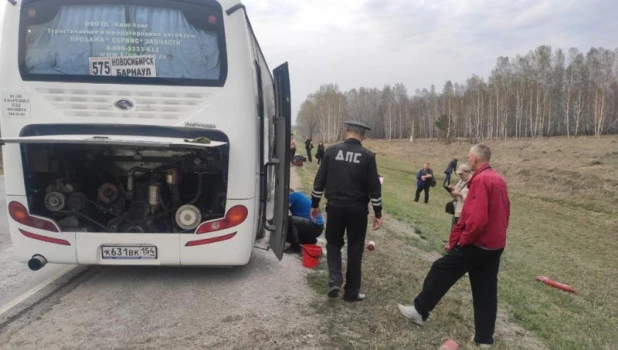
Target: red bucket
[[311, 255]]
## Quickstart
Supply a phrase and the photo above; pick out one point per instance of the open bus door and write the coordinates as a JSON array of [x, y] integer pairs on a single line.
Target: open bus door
[[283, 129]]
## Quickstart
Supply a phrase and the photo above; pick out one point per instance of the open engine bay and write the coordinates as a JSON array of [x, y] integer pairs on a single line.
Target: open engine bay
[[105, 188]]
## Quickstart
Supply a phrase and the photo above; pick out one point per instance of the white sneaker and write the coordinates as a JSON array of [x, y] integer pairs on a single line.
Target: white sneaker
[[480, 345], [411, 313]]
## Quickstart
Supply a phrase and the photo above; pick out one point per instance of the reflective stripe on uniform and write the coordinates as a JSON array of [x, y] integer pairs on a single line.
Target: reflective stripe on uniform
[[316, 194]]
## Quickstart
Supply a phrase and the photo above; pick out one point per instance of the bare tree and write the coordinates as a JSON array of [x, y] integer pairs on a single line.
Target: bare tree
[[600, 64], [308, 118], [331, 105], [542, 93]]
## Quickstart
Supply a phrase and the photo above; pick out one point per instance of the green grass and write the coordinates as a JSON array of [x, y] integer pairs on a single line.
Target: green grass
[[561, 226], [552, 240]]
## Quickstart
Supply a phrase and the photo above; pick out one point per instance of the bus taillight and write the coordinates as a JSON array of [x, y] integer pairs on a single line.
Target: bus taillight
[[44, 238], [235, 216], [20, 214]]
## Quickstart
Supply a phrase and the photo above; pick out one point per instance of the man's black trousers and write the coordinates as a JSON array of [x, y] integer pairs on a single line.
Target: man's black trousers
[[353, 221], [425, 187], [482, 266]]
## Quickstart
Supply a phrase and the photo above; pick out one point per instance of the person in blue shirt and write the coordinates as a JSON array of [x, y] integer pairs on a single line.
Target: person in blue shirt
[[452, 166], [302, 229], [424, 179]]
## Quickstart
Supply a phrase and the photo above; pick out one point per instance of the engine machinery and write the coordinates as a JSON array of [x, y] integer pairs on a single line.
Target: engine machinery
[[116, 189]]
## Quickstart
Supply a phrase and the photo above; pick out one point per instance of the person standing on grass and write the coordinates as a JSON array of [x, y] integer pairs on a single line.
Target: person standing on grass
[[452, 165], [475, 246], [292, 148], [423, 182], [459, 191], [320, 153], [309, 147], [348, 178]]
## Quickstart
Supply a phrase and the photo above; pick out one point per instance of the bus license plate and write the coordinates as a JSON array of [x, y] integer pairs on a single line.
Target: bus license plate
[[139, 252]]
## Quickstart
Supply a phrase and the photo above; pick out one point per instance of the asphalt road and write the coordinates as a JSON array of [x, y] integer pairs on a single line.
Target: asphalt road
[[263, 305], [17, 281]]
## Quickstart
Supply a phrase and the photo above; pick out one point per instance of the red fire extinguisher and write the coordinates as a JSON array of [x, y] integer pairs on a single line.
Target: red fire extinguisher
[[555, 284]]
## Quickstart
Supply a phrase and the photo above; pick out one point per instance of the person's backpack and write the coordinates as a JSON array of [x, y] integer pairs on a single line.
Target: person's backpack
[[433, 181]]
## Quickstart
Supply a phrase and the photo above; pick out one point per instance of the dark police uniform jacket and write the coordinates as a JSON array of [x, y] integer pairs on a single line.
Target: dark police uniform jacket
[[348, 177]]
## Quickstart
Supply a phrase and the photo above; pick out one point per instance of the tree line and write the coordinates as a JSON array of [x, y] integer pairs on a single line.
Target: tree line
[[542, 93]]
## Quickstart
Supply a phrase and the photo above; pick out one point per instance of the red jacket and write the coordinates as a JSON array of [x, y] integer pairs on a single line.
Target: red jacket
[[485, 216]]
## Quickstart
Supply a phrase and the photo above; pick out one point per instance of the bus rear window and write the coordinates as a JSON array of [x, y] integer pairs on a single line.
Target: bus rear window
[[147, 42]]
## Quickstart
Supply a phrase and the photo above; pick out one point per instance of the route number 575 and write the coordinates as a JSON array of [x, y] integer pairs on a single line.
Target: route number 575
[[100, 67]]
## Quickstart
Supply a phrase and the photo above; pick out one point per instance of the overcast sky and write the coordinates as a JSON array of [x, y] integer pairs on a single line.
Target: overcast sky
[[375, 42]]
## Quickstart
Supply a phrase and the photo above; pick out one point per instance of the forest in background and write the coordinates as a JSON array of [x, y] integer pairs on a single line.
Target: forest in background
[[543, 93]]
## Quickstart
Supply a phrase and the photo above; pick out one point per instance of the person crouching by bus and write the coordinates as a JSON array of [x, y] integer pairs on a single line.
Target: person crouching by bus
[[459, 191], [302, 229]]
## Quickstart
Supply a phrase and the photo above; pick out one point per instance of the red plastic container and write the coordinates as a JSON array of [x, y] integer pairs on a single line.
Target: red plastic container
[[311, 255]]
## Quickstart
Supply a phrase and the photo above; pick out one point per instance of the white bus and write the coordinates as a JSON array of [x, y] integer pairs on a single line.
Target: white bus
[[141, 132]]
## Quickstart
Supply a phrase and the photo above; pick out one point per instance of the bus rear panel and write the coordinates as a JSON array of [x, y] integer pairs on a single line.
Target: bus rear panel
[[121, 131]]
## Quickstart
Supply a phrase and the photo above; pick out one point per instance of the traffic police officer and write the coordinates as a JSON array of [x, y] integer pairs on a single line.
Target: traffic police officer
[[348, 178]]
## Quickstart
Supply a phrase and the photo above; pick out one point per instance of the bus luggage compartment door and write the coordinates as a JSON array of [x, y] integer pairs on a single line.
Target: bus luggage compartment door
[[282, 173]]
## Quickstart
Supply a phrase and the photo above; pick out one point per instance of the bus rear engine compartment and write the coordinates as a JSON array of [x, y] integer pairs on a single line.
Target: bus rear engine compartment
[[95, 188]]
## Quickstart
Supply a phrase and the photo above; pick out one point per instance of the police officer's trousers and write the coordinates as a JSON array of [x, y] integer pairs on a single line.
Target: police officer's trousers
[[352, 220]]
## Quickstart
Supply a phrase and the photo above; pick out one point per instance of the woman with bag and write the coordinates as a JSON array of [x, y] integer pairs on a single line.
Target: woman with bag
[[460, 190]]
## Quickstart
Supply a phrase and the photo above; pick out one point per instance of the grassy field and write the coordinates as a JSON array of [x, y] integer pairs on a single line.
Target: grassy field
[[564, 225]]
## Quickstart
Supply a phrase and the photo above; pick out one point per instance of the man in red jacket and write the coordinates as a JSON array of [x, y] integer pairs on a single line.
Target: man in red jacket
[[475, 245]]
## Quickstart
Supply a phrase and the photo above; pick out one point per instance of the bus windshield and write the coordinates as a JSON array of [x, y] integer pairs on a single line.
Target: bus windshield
[[153, 42]]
